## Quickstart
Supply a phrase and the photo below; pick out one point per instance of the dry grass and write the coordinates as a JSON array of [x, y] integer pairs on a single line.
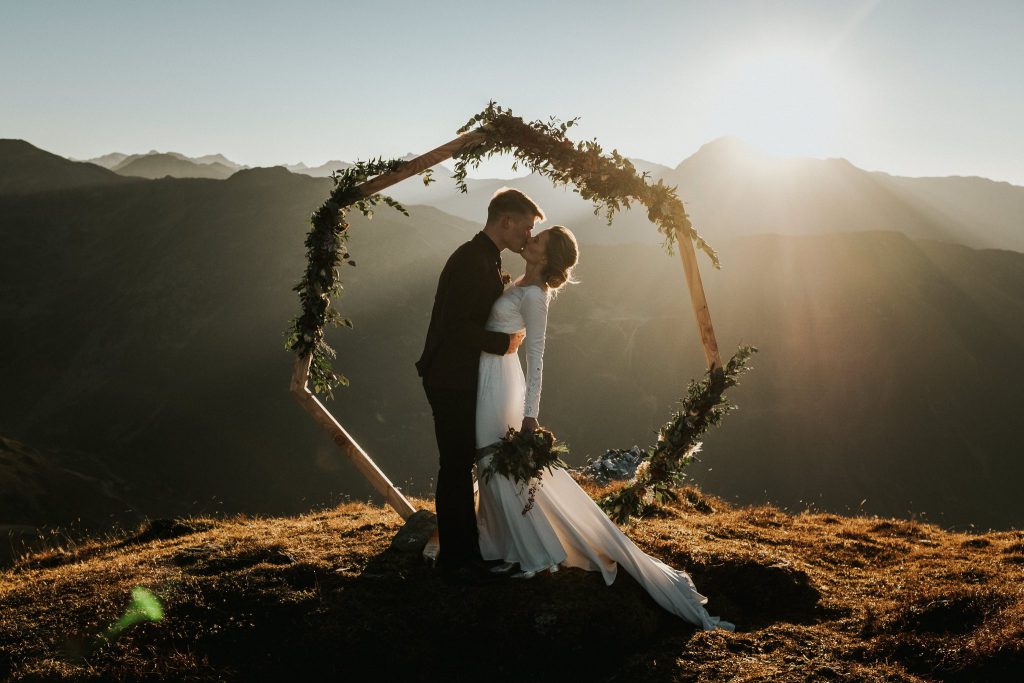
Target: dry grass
[[816, 597]]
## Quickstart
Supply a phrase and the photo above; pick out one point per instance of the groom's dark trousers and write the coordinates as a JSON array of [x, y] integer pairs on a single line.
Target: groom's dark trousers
[[469, 284]]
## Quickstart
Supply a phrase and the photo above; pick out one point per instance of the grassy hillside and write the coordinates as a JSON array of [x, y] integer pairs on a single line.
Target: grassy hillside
[[816, 597]]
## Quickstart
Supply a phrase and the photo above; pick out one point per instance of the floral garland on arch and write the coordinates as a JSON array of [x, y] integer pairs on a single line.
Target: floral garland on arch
[[609, 180], [326, 251]]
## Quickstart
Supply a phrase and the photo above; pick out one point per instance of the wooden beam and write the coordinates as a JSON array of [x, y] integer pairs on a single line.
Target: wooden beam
[[699, 301], [345, 442], [422, 162]]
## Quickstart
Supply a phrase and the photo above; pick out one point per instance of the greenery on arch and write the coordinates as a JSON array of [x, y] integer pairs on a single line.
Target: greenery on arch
[[662, 468], [609, 180]]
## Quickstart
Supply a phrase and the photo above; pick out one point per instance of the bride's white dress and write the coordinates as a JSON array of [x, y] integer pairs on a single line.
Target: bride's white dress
[[565, 526]]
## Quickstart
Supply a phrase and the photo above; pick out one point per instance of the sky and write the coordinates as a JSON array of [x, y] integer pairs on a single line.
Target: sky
[[910, 87]]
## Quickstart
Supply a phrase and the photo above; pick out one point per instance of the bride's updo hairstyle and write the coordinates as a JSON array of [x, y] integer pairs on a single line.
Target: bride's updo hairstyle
[[563, 253]]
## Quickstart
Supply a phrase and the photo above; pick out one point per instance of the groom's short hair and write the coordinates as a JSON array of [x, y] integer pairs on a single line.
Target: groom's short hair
[[511, 200]]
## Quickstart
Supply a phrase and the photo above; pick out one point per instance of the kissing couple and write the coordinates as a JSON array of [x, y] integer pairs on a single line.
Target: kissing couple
[[477, 390]]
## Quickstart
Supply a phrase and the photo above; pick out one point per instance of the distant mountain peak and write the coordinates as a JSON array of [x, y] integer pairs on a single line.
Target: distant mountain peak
[[263, 175], [841, 161], [729, 147], [161, 164], [322, 171]]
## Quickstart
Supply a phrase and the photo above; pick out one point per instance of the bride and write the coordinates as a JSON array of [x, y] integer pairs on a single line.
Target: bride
[[564, 527]]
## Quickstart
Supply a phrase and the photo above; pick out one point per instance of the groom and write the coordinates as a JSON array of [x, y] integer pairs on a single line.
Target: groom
[[470, 282]]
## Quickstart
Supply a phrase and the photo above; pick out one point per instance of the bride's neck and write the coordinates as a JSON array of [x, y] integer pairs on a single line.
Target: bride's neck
[[533, 275]]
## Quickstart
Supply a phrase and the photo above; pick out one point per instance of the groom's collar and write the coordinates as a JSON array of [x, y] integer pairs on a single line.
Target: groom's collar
[[488, 245]]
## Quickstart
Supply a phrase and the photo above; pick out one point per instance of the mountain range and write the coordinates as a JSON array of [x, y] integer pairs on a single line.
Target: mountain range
[[731, 189], [728, 185], [147, 332], [116, 160], [324, 170], [161, 165], [154, 164]]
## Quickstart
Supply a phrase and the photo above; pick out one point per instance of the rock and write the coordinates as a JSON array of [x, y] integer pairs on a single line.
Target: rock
[[415, 533]]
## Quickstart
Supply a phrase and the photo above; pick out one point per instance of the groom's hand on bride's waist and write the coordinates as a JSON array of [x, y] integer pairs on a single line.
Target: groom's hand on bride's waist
[[514, 340]]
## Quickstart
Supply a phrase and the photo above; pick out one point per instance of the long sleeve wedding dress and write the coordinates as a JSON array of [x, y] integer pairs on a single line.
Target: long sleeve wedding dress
[[565, 526]]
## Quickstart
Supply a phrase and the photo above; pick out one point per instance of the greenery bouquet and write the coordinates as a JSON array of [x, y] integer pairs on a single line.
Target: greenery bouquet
[[523, 457]]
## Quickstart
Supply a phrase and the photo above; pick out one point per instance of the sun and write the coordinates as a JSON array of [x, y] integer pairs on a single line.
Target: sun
[[784, 102]]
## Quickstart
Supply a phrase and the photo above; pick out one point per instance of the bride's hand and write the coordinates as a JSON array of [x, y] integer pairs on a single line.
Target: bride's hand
[[514, 340], [530, 424]]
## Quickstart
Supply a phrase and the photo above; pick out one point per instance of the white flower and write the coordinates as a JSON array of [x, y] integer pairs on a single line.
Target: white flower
[[641, 469]]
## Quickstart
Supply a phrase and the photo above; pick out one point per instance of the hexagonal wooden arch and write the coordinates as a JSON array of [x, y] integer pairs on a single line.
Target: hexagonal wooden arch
[[300, 376]]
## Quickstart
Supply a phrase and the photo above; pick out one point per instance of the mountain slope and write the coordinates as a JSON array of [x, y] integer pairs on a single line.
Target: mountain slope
[[168, 304], [25, 168], [988, 213], [732, 190]]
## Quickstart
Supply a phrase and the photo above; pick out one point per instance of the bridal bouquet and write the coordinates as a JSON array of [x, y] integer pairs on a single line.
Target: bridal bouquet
[[523, 457]]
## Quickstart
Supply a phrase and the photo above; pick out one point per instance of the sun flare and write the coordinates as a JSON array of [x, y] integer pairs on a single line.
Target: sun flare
[[786, 103]]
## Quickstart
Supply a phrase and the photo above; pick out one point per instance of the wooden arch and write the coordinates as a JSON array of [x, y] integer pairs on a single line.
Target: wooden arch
[[300, 376]]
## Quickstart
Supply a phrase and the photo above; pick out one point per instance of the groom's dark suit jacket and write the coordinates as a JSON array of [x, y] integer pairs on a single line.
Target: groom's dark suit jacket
[[469, 284]]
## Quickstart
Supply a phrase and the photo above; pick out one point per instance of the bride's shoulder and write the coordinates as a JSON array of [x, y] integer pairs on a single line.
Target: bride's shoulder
[[536, 293]]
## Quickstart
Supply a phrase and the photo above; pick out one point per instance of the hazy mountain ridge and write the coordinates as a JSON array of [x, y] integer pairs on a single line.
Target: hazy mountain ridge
[[155, 339], [324, 170], [109, 161], [992, 211], [160, 165], [730, 189], [116, 160]]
